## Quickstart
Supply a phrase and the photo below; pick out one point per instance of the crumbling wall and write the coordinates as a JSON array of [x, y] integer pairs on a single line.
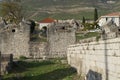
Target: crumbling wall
[[59, 38], [14, 39]]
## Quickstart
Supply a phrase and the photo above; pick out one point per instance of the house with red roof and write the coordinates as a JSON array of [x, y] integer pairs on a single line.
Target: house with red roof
[[45, 22], [112, 17]]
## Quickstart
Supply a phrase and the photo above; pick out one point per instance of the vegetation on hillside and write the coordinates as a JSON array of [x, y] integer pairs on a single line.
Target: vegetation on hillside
[[67, 9]]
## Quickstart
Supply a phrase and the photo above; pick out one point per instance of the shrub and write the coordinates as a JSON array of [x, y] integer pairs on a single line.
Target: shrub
[[23, 58], [98, 37], [89, 26]]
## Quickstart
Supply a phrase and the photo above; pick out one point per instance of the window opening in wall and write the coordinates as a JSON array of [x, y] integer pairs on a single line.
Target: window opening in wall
[[106, 19], [112, 20], [119, 30], [13, 30], [63, 28]]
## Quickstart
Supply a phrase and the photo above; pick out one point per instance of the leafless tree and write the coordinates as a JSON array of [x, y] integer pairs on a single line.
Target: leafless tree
[[12, 10]]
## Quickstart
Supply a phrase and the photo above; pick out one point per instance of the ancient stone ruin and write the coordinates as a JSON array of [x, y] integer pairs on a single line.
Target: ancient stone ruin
[[14, 39], [60, 36], [110, 30]]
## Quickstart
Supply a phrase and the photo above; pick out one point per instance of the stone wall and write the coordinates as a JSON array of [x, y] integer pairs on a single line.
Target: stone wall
[[87, 40], [96, 60], [38, 49], [14, 39], [59, 38], [5, 63]]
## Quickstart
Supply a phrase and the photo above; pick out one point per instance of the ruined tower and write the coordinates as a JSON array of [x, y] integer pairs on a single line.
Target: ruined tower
[[14, 39], [60, 35]]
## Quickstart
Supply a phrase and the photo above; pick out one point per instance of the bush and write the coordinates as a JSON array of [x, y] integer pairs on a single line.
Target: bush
[[23, 58], [89, 26], [98, 37]]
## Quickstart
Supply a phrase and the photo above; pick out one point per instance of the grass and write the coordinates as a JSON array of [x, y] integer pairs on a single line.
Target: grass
[[44, 70], [80, 36]]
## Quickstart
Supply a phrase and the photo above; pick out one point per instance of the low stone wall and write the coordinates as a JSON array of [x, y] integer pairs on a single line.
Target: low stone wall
[[5, 63], [88, 40], [96, 60]]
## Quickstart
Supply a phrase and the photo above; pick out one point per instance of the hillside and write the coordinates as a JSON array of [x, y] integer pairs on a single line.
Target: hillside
[[67, 9]]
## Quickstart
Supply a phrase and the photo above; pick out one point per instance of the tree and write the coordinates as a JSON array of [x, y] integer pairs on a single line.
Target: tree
[[12, 10], [83, 20], [95, 14], [32, 26]]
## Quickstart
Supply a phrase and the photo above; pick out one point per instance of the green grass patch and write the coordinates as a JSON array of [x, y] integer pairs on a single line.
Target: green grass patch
[[44, 70], [80, 36]]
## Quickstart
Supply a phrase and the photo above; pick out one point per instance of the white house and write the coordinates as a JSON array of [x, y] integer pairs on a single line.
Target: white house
[[111, 2], [112, 17], [45, 22]]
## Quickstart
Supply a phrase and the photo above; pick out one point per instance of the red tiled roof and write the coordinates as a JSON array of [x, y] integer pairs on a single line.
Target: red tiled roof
[[113, 14], [47, 20]]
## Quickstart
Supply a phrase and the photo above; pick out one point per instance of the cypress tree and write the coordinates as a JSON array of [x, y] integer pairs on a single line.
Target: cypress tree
[[83, 20], [95, 14]]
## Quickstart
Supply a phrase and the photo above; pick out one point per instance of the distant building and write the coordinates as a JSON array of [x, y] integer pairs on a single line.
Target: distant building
[[112, 17], [88, 21], [111, 2], [45, 22]]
